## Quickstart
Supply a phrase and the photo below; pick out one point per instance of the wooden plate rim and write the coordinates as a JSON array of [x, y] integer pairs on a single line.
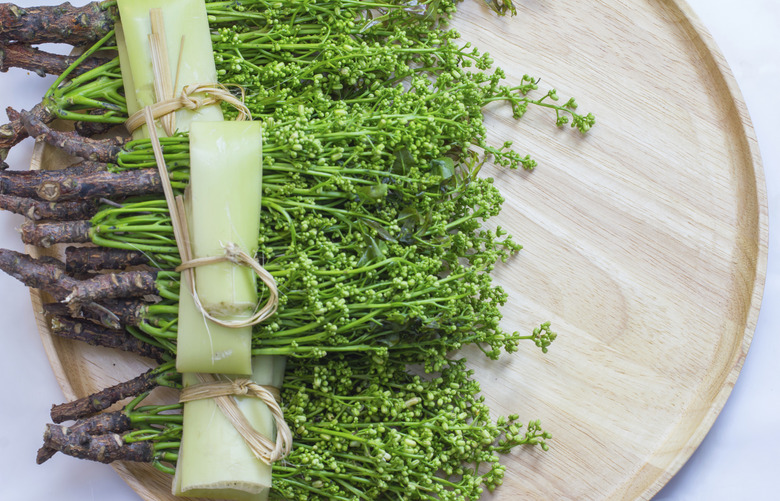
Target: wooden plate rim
[[751, 147]]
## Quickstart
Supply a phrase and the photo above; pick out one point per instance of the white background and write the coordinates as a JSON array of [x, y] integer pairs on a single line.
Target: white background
[[739, 458]]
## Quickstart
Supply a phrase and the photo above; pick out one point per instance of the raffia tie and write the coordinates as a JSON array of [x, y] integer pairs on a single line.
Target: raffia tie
[[235, 255], [223, 392], [232, 252], [192, 97]]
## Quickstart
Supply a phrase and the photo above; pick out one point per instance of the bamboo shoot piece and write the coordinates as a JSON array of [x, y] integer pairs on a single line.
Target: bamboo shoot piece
[[223, 206], [224, 198], [214, 461], [204, 346], [190, 57]]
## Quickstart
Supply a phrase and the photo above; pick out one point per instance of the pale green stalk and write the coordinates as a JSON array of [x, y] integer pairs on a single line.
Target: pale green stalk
[[223, 205], [188, 40], [225, 194], [204, 346], [218, 464]]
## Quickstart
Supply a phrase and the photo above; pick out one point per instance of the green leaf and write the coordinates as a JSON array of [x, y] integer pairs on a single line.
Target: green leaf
[[374, 251], [403, 161], [383, 233], [443, 167], [372, 194]]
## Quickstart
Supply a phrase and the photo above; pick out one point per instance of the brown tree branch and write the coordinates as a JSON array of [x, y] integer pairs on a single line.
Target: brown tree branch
[[42, 63], [114, 285], [14, 131], [101, 424], [56, 24], [82, 260], [38, 210], [95, 335], [105, 448], [99, 150], [103, 399], [111, 313], [48, 234], [47, 274], [58, 186]]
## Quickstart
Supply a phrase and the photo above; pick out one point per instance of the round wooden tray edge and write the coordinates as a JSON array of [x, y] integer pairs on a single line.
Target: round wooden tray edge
[[752, 151]]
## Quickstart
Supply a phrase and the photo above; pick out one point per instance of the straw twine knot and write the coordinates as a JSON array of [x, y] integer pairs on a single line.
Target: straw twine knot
[[223, 391]]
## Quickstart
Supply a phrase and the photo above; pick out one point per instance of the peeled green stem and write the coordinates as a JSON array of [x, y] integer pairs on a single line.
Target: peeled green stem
[[224, 204], [189, 53], [218, 463]]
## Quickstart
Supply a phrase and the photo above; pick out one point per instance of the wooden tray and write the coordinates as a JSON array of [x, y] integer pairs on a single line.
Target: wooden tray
[[645, 245]]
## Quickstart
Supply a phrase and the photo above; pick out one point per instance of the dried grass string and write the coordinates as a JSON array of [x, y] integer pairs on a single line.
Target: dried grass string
[[223, 391]]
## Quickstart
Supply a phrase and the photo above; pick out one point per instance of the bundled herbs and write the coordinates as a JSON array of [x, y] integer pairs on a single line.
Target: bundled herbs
[[361, 431], [372, 226]]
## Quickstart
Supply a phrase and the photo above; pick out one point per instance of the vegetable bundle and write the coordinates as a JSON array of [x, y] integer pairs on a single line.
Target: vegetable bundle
[[372, 227]]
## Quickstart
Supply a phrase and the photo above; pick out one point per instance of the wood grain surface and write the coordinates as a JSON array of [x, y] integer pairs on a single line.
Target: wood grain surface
[[645, 246]]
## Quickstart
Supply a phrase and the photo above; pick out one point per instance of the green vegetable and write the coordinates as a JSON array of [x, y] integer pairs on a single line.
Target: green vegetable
[[368, 431], [218, 464], [341, 264], [223, 207], [186, 39], [375, 231]]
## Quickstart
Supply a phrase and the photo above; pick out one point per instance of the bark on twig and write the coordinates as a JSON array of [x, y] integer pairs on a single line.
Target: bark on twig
[[104, 399], [47, 274], [44, 454], [27, 183], [56, 24], [101, 424], [82, 260], [79, 168], [95, 335], [112, 313], [100, 150], [54, 211], [105, 422], [105, 448], [17, 55], [114, 285], [47, 234], [14, 131], [100, 185], [58, 186]]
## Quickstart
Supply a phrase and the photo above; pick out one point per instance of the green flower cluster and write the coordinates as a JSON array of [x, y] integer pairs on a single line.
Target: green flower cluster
[[368, 431], [375, 210], [398, 268]]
